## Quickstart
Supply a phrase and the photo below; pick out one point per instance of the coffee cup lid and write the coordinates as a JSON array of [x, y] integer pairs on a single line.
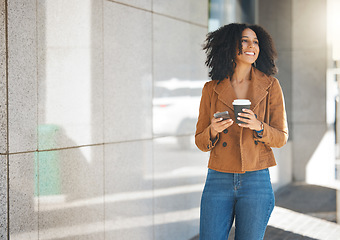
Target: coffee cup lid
[[241, 102]]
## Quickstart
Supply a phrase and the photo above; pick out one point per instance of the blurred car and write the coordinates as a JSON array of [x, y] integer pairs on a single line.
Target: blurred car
[[175, 108]]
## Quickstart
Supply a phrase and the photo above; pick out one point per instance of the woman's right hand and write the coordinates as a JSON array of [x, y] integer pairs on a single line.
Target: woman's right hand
[[217, 126]]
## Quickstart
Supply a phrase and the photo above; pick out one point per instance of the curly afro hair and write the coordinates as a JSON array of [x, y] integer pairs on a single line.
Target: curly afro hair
[[221, 49]]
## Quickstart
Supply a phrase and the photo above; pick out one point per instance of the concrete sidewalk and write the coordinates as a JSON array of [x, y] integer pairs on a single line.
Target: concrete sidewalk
[[302, 211]]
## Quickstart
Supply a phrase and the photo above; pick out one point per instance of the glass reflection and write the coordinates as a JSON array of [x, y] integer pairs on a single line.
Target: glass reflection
[[179, 176], [175, 107]]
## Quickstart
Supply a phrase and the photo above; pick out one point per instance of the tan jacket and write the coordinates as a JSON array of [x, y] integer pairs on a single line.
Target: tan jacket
[[238, 149]]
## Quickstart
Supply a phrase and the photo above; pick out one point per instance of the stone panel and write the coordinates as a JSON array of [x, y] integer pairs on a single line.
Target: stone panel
[[3, 82], [128, 73], [179, 75], [276, 18], [3, 197], [22, 75], [307, 137], [187, 10], [309, 24], [179, 175], [309, 61], [71, 193], [145, 4], [129, 190], [70, 75], [23, 206], [284, 76], [309, 86]]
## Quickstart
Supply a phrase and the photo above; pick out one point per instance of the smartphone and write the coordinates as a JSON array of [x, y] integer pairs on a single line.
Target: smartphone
[[224, 115]]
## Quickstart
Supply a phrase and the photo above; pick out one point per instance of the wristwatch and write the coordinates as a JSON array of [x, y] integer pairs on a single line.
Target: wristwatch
[[260, 131], [261, 127]]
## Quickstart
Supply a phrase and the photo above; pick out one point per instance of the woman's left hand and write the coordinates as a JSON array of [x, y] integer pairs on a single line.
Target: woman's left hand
[[251, 123]]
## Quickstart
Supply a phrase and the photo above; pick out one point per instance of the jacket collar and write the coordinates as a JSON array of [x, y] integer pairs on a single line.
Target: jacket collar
[[257, 91]]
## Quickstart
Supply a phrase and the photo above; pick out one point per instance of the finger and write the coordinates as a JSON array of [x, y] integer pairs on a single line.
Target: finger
[[247, 121], [230, 123], [247, 115], [247, 111], [220, 124], [228, 120], [227, 125], [243, 125], [251, 113], [216, 120]]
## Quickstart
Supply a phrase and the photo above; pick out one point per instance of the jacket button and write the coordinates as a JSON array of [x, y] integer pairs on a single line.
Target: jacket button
[[256, 142], [224, 144], [225, 131]]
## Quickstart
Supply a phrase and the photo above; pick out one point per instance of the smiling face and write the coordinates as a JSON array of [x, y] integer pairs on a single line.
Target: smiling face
[[250, 47]]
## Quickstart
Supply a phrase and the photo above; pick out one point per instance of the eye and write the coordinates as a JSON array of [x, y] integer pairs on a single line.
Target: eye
[[244, 40], [256, 42]]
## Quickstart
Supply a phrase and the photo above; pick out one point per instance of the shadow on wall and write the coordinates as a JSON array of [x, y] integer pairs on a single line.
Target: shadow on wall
[[68, 204], [60, 176]]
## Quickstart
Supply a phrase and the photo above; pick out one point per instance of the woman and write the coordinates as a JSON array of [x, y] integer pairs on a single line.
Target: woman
[[241, 62]]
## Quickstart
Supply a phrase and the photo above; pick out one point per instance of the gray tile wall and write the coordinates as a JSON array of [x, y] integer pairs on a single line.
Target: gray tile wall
[[23, 209], [3, 197], [70, 72], [127, 73], [3, 125], [84, 81], [22, 76], [3, 81], [187, 10], [129, 190]]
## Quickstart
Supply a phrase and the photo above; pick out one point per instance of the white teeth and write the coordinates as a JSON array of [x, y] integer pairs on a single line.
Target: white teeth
[[249, 53]]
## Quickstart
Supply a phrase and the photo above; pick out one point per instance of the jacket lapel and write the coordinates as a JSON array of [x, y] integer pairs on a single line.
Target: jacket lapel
[[225, 93], [256, 93]]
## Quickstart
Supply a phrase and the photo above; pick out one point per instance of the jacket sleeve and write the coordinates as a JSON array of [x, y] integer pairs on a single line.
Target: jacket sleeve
[[275, 132], [202, 136]]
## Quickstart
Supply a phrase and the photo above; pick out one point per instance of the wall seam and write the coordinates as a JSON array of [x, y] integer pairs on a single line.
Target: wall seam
[[159, 14], [98, 144], [103, 117], [7, 119], [152, 113], [37, 123]]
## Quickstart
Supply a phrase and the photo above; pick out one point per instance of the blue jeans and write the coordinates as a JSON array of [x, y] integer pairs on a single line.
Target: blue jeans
[[248, 197]]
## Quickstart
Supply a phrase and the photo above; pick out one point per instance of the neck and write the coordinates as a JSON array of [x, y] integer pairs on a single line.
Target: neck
[[241, 72]]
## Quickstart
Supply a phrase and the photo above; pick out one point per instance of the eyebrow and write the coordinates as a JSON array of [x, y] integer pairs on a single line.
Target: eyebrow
[[248, 37]]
